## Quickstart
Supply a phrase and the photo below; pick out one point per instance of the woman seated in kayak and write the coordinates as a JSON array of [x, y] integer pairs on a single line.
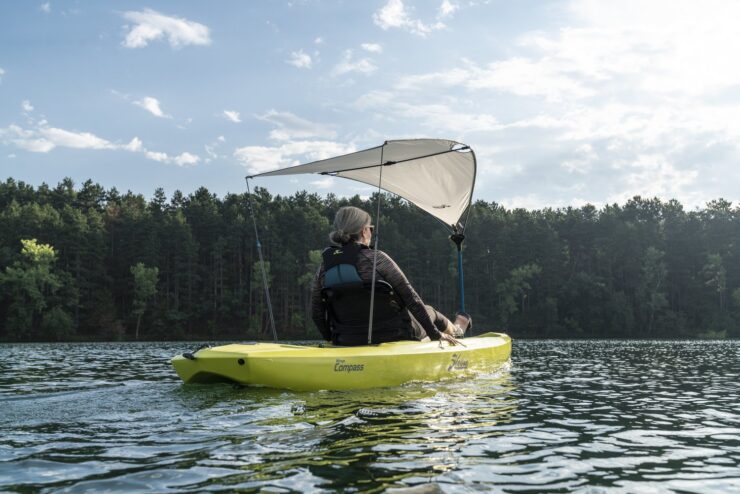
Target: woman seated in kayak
[[340, 298]]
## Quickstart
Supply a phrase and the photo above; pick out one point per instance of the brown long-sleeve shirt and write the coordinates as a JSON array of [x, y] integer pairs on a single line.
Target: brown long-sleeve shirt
[[388, 271]]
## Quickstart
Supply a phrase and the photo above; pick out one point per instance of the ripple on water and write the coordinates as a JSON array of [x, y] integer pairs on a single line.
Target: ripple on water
[[595, 416]]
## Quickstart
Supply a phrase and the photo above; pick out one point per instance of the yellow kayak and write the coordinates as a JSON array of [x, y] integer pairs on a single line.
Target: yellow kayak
[[310, 368]]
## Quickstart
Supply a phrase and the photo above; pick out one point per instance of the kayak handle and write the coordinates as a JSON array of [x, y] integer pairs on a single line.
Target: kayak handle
[[190, 356]]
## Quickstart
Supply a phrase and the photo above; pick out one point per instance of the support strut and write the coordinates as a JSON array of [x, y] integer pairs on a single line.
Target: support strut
[[458, 238]]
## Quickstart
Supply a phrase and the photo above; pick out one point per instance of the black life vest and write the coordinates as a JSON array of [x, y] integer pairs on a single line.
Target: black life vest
[[346, 298]]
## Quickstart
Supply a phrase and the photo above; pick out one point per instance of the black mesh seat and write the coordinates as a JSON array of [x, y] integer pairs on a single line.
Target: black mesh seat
[[348, 311]]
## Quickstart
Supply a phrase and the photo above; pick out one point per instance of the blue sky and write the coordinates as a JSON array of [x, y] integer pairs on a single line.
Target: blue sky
[[564, 102]]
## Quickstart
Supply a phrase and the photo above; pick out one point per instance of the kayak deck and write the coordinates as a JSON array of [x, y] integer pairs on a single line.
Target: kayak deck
[[309, 368]]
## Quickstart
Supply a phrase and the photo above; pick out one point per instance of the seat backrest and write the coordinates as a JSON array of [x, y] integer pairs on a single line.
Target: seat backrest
[[348, 305], [346, 298]]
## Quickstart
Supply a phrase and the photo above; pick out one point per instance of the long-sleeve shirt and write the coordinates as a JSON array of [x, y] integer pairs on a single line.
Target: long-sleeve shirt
[[388, 271]]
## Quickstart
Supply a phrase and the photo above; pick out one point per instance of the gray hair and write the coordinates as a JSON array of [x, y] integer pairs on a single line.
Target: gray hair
[[348, 224]]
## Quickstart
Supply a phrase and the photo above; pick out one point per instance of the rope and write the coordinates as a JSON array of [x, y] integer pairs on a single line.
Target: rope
[[262, 262]]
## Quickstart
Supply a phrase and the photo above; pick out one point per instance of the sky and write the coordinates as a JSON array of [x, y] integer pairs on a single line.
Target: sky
[[564, 102]]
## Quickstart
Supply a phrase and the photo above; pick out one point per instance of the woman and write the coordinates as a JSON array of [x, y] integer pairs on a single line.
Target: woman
[[350, 259]]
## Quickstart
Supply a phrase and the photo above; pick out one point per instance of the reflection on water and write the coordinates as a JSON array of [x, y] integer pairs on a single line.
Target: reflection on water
[[624, 416]]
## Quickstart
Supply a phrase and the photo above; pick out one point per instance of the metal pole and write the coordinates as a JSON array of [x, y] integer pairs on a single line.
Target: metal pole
[[462, 280], [375, 254], [458, 239], [262, 263]]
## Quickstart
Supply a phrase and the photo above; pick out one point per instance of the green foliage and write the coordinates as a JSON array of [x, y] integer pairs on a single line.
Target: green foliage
[[513, 291], [715, 275], [33, 293], [650, 290], [736, 297], [311, 266], [145, 287], [108, 264], [57, 324]]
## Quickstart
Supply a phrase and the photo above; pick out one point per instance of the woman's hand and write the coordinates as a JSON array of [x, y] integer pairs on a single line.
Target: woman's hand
[[450, 339]]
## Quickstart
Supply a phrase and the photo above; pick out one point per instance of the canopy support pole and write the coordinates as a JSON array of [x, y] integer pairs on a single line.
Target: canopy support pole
[[262, 262], [458, 238], [375, 254]]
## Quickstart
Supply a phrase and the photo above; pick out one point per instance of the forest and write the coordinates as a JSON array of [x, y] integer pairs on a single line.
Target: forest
[[81, 263]]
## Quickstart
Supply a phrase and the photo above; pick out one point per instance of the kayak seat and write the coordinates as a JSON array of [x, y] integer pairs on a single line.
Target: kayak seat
[[347, 301]]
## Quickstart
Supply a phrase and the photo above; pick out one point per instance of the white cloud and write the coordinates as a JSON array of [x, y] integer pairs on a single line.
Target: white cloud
[[319, 41], [42, 139], [182, 159], [394, 15], [77, 140], [372, 47], [149, 25], [232, 115], [655, 176], [45, 8], [443, 118], [2, 73], [290, 127], [157, 156], [446, 9], [213, 148], [519, 76], [25, 139], [134, 146], [152, 106], [584, 160], [26, 105], [324, 183], [618, 100], [185, 159], [348, 64], [523, 201], [300, 59], [435, 117], [259, 159]]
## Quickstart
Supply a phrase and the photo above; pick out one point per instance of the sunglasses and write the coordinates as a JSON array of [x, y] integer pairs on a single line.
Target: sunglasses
[[372, 229]]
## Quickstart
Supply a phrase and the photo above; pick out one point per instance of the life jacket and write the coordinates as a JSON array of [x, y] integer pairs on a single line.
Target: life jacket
[[346, 298]]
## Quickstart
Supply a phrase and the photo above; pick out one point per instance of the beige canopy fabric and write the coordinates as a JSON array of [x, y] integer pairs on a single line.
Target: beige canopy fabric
[[437, 175]]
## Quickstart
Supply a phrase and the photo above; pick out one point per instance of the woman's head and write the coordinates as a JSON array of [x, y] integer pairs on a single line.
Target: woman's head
[[349, 224]]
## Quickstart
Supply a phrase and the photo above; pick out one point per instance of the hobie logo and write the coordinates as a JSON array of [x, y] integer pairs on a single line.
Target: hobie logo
[[458, 363], [341, 366], [337, 252]]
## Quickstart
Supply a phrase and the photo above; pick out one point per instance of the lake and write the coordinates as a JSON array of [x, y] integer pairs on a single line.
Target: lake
[[590, 416]]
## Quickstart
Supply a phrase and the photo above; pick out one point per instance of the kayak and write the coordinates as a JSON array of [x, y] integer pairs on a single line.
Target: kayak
[[327, 367]]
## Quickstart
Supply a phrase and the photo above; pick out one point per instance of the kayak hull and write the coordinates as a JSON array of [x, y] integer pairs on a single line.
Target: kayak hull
[[310, 368]]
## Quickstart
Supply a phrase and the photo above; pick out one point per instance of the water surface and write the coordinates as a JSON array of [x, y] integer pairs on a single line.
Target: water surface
[[590, 416]]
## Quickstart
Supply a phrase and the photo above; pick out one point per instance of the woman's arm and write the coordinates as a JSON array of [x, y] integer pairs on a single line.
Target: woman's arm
[[389, 270]]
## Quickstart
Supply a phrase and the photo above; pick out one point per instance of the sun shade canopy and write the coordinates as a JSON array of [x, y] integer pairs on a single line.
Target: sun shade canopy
[[437, 175]]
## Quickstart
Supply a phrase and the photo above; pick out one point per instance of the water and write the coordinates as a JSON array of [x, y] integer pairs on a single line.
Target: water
[[564, 416]]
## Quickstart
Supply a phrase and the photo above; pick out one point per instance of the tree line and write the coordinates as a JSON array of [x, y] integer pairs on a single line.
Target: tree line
[[82, 263]]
